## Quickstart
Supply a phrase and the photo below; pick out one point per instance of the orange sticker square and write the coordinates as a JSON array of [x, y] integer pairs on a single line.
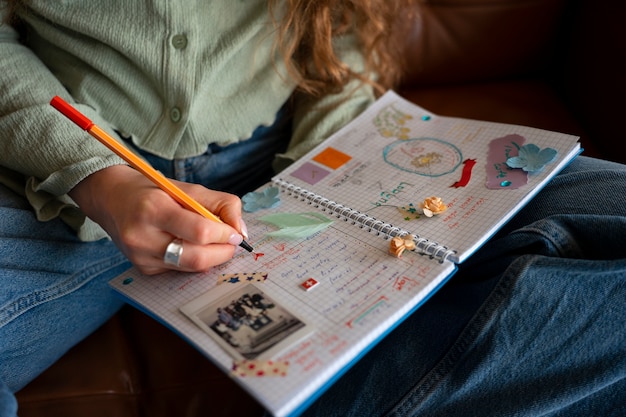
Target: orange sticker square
[[332, 158]]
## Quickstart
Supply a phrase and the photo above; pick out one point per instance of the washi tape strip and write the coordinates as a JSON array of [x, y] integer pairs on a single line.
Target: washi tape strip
[[260, 368], [236, 278]]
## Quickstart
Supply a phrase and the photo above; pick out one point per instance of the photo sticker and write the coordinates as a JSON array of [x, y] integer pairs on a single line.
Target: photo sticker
[[246, 322]]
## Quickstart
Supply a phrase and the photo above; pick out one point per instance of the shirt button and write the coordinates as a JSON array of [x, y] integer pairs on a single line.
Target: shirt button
[[179, 41], [175, 114]]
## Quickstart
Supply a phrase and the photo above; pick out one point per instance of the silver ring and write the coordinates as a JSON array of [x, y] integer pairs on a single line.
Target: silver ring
[[173, 252]]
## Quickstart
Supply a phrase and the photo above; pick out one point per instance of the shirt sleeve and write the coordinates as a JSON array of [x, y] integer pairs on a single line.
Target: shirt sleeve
[[39, 145]]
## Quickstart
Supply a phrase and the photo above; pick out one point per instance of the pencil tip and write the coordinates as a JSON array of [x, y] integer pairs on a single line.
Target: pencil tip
[[246, 246]]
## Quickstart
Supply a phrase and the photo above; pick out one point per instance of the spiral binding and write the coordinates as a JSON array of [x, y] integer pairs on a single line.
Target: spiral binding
[[422, 245]]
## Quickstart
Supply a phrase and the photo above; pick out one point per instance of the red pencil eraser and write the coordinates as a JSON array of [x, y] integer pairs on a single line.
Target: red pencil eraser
[[71, 113]]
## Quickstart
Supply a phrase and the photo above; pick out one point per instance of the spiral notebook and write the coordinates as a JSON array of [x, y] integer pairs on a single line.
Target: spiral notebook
[[288, 320]]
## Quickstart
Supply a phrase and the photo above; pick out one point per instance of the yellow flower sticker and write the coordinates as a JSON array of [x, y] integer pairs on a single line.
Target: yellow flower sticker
[[433, 206], [399, 244]]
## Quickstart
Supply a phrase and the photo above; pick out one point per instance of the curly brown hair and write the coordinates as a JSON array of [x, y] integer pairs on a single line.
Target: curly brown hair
[[305, 40], [307, 28]]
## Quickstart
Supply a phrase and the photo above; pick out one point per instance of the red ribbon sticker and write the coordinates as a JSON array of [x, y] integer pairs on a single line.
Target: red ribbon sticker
[[468, 164]]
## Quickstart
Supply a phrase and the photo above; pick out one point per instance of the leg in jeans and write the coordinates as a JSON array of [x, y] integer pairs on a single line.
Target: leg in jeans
[[8, 403], [532, 324], [54, 291]]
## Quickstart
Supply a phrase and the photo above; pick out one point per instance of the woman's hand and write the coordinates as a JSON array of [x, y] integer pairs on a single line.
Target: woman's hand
[[143, 220]]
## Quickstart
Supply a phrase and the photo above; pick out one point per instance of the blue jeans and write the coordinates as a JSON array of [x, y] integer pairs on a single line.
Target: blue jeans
[[54, 288], [236, 168], [532, 324]]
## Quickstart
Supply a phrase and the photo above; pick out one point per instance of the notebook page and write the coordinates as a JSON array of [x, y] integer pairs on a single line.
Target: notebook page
[[363, 291], [397, 153]]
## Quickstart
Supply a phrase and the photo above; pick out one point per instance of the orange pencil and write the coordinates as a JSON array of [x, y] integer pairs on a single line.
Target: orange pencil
[[133, 160]]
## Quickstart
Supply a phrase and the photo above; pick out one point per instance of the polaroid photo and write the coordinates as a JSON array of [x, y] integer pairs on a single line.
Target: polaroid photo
[[246, 322]]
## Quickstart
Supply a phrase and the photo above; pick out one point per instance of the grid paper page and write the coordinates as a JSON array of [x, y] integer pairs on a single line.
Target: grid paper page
[[397, 153], [392, 155], [363, 291]]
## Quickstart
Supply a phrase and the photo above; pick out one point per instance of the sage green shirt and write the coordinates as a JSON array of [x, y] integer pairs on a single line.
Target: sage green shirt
[[174, 75]]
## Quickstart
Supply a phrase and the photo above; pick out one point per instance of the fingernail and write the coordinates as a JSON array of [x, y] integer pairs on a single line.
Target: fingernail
[[244, 229], [235, 239]]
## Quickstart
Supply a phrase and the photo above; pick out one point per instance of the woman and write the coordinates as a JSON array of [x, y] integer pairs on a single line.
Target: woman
[[211, 93], [530, 325]]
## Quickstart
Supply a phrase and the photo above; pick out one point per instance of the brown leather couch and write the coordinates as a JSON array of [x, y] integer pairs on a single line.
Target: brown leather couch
[[545, 63]]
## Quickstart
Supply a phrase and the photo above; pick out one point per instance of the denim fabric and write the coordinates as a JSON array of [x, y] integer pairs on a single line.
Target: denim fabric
[[54, 288], [8, 403], [236, 168], [531, 325]]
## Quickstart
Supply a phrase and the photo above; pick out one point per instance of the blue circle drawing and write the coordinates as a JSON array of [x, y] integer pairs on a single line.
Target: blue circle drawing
[[423, 156]]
